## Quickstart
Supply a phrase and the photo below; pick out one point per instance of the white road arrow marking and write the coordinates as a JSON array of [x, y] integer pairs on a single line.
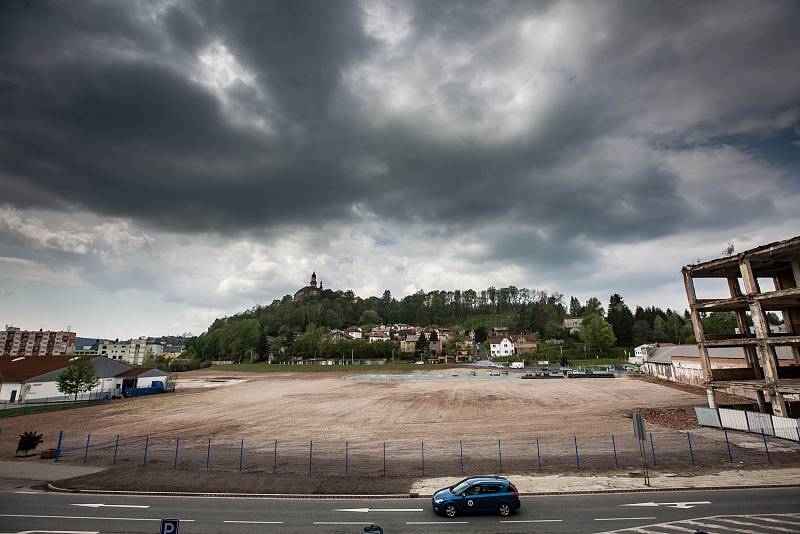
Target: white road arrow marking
[[365, 510], [98, 505], [682, 505]]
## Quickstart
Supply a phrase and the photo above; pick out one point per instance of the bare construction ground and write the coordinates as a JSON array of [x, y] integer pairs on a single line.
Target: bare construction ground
[[388, 425], [334, 406]]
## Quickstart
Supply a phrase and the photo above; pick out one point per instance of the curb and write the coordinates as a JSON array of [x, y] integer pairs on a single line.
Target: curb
[[56, 489]]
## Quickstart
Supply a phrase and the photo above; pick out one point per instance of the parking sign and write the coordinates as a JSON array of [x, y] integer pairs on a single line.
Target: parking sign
[[169, 526]]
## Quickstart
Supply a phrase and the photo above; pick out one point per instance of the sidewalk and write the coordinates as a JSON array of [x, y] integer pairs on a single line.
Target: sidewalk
[[43, 471], [664, 481]]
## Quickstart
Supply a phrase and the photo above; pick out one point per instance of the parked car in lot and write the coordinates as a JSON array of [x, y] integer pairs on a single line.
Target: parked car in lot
[[477, 494]]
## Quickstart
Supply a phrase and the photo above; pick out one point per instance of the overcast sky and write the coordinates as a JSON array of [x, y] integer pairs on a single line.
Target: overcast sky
[[165, 163]]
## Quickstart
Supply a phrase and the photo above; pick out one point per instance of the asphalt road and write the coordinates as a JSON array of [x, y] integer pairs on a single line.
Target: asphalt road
[[54, 512]]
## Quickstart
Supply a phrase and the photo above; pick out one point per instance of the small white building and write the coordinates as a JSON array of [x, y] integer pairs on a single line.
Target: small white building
[[641, 352], [35, 378], [353, 331], [573, 324], [501, 346]]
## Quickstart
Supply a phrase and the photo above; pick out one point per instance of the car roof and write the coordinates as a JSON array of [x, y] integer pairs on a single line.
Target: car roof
[[486, 478]]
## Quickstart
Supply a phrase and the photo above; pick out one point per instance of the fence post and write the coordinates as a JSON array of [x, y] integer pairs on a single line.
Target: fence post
[[146, 443], [177, 447], [86, 450], [275, 457], [538, 455], [58, 445], [577, 458], [614, 447], [241, 456], [766, 448], [384, 458], [208, 454], [691, 450], [500, 455], [346, 459], [653, 448], [461, 454], [116, 448], [728, 443], [423, 457], [310, 456]]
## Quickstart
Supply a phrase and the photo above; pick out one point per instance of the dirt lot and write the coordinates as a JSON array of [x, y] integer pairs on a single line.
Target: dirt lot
[[339, 406]]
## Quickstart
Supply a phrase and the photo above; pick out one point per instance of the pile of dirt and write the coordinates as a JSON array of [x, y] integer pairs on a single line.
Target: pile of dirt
[[679, 418]]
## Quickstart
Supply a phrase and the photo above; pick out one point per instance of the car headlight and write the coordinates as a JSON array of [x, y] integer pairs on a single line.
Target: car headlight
[[438, 501]]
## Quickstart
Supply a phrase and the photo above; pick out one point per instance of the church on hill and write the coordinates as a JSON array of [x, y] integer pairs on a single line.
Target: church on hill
[[310, 289]]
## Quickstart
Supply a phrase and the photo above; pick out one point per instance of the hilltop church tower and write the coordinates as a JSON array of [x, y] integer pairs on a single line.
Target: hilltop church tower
[[309, 289]]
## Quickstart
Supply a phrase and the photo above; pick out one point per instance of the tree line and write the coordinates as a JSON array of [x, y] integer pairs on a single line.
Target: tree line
[[290, 328]]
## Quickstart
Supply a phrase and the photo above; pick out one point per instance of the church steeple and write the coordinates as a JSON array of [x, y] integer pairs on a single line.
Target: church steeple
[[313, 279]]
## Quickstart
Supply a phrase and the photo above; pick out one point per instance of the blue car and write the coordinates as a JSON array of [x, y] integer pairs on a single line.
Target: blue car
[[480, 494]]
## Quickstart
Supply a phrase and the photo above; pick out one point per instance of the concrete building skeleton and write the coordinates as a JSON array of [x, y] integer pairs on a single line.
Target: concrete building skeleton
[[771, 383]]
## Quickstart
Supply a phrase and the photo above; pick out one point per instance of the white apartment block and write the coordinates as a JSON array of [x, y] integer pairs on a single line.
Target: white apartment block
[[133, 351]]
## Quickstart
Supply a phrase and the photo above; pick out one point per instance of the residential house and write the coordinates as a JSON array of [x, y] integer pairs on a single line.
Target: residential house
[[501, 346], [525, 343], [353, 331], [408, 343], [573, 324]]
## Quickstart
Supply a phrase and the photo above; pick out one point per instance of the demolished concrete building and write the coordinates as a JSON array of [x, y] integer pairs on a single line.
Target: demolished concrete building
[[775, 386]]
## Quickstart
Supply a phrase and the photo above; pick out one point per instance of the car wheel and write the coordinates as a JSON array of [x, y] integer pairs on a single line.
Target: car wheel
[[450, 510], [504, 510]]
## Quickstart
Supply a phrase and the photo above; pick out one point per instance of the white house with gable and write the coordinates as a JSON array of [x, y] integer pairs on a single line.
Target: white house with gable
[[501, 346]]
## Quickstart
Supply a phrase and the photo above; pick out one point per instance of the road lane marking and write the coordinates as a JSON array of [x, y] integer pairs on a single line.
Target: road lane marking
[[341, 522], [531, 520], [437, 522], [89, 517], [746, 524], [681, 505], [726, 527], [623, 518], [57, 532], [365, 510], [98, 505], [255, 522], [32, 493]]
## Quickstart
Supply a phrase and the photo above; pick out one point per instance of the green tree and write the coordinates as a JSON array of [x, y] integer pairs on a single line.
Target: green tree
[[674, 328], [642, 333], [621, 320], [660, 329], [720, 323], [593, 306], [79, 377], [554, 330], [575, 308], [421, 347], [597, 333], [369, 317]]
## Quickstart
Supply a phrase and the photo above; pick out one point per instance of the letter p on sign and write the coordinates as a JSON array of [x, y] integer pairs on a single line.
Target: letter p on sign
[[169, 526]]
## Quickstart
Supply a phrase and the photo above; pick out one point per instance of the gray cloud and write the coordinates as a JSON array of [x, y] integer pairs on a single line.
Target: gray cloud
[[547, 130]]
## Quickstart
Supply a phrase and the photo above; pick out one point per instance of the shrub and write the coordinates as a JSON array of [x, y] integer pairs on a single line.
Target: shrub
[[29, 441]]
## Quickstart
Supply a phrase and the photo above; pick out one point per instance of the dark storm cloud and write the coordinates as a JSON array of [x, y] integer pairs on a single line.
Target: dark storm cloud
[[101, 109]]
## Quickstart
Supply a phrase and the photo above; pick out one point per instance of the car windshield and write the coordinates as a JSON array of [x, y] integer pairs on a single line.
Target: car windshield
[[460, 487]]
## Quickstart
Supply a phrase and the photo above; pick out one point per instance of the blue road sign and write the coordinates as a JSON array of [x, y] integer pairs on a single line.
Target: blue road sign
[[169, 526]]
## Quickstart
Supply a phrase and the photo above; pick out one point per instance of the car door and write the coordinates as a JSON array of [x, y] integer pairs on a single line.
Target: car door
[[471, 500], [489, 497]]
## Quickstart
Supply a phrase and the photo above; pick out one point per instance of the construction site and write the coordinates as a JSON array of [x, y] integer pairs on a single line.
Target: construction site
[[759, 281]]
